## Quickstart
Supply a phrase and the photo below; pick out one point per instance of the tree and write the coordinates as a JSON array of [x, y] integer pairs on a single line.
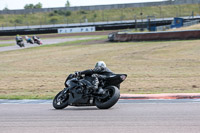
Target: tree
[[67, 4], [6, 8], [38, 5], [31, 6]]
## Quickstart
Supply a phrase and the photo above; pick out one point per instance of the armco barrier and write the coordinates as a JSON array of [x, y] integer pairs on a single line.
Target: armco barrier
[[151, 36]]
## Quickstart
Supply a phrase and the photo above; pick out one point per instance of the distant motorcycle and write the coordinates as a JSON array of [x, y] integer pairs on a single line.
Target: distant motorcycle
[[79, 92], [38, 41], [20, 42], [29, 41]]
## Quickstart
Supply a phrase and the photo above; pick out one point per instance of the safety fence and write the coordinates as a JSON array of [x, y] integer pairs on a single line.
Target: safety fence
[[190, 23]]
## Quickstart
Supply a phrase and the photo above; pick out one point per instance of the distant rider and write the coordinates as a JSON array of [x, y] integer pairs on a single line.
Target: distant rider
[[100, 69], [28, 39], [35, 38], [18, 39]]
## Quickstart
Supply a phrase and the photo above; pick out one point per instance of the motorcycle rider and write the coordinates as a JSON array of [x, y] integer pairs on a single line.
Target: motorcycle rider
[[18, 39], [35, 38], [96, 73], [28, 39]]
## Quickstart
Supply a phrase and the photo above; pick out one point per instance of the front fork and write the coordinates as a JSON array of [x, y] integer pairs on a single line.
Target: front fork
[[65, 90]]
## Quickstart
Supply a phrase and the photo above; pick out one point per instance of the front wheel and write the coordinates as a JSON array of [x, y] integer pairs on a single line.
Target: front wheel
[[109, 99], [61, 100]]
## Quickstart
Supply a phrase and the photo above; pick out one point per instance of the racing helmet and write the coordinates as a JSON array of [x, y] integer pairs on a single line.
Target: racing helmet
[[100, 64]]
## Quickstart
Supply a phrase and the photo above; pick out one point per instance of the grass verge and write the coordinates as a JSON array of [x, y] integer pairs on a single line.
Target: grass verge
[[4, 45], [152, 67]]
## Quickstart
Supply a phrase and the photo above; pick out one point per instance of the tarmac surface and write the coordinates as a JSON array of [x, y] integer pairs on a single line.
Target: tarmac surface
[[162, 96], [127, 116], [45, 42], [126, 97]]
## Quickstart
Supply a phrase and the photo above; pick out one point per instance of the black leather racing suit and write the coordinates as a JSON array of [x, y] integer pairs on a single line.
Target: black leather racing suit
[[93, 75]]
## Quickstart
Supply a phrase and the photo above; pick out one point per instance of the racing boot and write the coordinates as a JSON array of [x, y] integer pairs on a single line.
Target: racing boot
[[100, 91]]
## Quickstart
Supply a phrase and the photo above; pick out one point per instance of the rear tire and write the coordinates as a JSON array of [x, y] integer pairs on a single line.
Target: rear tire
[[112, 98], [58, 102]]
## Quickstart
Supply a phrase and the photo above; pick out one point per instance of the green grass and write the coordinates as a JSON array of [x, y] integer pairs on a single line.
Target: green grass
[[96, 37], [68, 43], [20, 97], [77, 42], [99, 15], [4, 45]]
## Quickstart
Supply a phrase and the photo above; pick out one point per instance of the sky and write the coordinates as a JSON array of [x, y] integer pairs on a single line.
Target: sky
[[19, 4]]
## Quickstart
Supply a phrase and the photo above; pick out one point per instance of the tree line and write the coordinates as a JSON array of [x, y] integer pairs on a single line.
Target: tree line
[[38, 6], [32, 6]]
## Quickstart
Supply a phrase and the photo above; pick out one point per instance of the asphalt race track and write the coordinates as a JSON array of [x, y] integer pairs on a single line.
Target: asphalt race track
[[127, 116], [44, 41]]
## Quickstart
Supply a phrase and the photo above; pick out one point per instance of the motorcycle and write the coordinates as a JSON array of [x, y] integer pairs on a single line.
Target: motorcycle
[[20, 42], [29, 41], [38, 41], [79, 92]]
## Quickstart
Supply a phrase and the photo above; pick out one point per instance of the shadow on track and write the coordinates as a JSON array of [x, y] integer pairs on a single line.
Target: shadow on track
[[77, 108]]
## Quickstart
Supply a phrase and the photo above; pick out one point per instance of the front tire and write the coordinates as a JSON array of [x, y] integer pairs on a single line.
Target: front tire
[[61, 100], [112, 96]]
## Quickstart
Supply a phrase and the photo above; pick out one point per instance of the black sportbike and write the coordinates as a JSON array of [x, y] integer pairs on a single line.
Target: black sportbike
[[79, 91]]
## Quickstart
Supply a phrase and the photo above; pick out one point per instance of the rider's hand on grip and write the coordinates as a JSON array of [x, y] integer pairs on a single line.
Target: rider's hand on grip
[[77, 73]]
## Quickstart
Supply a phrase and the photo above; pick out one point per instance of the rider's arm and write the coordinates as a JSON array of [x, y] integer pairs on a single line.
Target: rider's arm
[[87, 72], [96, 70]]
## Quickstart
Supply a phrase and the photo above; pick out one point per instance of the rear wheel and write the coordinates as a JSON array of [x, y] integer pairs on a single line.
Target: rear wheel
[[109, 99], [61, 100]]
